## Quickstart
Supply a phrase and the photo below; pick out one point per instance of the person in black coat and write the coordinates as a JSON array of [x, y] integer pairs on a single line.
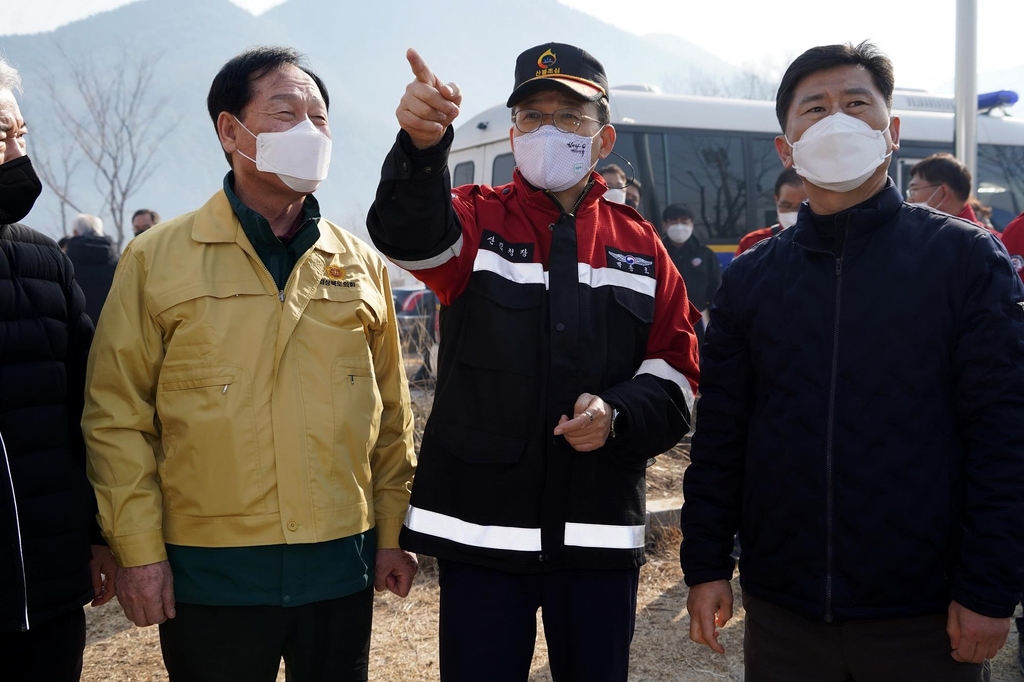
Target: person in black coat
[[52, 558], [861, 420], [95, 258], [698, 264]]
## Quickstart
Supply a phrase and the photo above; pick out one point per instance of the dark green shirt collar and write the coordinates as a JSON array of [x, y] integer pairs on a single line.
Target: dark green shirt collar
[[278, 257]]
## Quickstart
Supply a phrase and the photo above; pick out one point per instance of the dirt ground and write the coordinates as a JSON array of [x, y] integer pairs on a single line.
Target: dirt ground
[[404, 646]]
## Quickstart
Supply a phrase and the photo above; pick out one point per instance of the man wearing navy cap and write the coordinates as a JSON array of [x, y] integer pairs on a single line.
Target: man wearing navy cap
[[564, 366]]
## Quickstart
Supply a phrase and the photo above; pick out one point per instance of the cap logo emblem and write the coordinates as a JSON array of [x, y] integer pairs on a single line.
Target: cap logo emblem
[[546, 60]]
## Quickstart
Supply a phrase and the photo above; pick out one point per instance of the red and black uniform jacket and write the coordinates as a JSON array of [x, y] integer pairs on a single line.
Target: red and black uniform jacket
[[538, 306]]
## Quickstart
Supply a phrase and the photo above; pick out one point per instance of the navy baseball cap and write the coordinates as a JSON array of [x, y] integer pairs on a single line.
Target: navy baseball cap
[[557, 66]]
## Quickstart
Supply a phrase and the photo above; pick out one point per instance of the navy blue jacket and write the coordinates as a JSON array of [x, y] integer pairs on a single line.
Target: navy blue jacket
[[861, 420]]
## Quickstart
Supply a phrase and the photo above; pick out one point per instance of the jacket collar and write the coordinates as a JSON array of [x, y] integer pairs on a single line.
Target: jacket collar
[[858, 221], [216, 223], [540, 200]]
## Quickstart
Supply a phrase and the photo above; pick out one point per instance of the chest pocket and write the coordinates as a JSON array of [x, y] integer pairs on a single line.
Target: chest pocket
[[630, 316], [342, 318], [502, 327]]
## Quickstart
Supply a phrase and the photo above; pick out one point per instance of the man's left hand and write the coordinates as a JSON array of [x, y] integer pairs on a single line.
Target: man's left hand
[[589, 428], [104, 571], [972, 636], [395, 570]]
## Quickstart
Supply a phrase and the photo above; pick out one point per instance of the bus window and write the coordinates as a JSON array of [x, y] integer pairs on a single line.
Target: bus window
[[646, 154], [1000, 181], [765, 167], [501, 171], [463, 174], [707, 174]]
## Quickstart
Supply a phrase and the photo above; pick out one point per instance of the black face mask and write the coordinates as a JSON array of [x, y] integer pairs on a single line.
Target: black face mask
[[19, 189]]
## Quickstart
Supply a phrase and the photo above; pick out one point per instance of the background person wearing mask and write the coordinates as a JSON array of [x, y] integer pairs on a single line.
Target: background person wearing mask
[[695, 262], [253, 524], [143, 219], [789, 194], [861, 419], [615, 178], [567, 360], [943, 183], [52, 558], [95, 257]]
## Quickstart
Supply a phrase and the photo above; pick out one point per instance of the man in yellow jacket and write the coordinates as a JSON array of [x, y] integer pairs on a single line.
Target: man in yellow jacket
[[247, 413]]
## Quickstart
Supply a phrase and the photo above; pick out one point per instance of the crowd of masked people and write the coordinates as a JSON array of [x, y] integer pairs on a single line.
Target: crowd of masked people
[[215, 427]]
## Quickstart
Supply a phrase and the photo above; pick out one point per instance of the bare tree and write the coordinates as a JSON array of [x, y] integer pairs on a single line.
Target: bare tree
[[116, 124], [58, 177]]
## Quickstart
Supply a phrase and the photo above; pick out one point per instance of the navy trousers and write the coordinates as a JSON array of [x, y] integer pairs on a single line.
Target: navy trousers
[[488, 623]]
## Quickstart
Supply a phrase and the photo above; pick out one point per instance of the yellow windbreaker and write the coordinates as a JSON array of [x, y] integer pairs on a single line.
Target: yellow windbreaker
[[221, 412]]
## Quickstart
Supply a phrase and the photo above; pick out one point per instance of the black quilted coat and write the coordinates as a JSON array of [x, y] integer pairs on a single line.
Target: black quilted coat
[[861, 420], [47, 509]]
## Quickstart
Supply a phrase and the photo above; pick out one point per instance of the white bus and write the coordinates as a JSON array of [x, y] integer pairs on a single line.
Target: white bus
[[718, 157]]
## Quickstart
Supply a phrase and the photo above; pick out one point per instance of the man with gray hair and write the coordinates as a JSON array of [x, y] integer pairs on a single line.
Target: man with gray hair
[[46, 507], [95, 257]]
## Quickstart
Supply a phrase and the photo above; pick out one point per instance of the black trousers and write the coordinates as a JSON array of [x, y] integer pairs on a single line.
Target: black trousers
[[327, 640], [781, 646], [488, 623], [48, 652]]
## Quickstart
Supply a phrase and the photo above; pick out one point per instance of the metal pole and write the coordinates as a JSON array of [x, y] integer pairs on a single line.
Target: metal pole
[[966, 85]]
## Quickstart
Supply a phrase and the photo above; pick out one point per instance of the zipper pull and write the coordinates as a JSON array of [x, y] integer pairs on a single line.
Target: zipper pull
[[280, 295], [352, 379], [839, 266], [225, 389]]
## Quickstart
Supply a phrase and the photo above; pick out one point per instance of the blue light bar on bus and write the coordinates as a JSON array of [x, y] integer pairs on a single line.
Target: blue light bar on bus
[[1000, 98]]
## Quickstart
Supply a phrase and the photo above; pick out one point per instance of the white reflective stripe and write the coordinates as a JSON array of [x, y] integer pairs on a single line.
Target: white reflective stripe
[[602, 536], [663, 370], [520, 273], [427, 263], [603, 277], [457, 530]]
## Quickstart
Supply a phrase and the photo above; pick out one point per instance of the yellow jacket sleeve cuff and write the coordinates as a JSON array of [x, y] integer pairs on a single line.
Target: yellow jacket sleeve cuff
[[387, 533], [140, 549]]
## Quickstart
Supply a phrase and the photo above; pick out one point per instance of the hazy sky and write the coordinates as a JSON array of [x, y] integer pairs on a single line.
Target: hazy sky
[[920, 37]]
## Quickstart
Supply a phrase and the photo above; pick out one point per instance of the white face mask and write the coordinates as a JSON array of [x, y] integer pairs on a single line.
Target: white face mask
[[924, 204], [787, 219], [300, 156], [553, 160], [616, 194], [839, 153], [679, 232]]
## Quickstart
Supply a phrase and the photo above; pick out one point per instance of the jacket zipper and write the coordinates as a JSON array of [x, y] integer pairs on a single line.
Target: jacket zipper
[[280, 292], [17, 533], [829, 520], [576, 206]]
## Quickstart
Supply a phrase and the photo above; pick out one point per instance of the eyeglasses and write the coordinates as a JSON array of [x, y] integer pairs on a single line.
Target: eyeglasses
[[910, 190], [566, 120]]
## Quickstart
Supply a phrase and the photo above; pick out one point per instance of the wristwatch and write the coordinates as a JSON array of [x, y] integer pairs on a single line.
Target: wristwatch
[[615, 416]]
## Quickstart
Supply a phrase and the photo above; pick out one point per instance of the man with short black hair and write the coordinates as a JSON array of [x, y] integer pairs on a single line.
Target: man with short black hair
[[247, 414], [567, 360], [615, 178], [789, 194], [143, 219], [861, 420], [943, 183]]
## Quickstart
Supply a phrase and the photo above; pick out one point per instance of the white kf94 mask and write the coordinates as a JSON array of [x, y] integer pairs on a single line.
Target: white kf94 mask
[[300, 156], [839, 153]]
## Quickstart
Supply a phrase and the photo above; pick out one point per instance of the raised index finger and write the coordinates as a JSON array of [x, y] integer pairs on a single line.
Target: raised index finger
[[419, 67]]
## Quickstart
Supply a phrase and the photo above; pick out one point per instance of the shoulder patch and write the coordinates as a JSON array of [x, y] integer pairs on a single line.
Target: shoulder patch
[[637, 264], [1018, 261]]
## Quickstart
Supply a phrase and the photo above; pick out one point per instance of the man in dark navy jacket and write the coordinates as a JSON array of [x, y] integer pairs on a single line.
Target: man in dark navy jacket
[[861, 416], [47, 508]]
